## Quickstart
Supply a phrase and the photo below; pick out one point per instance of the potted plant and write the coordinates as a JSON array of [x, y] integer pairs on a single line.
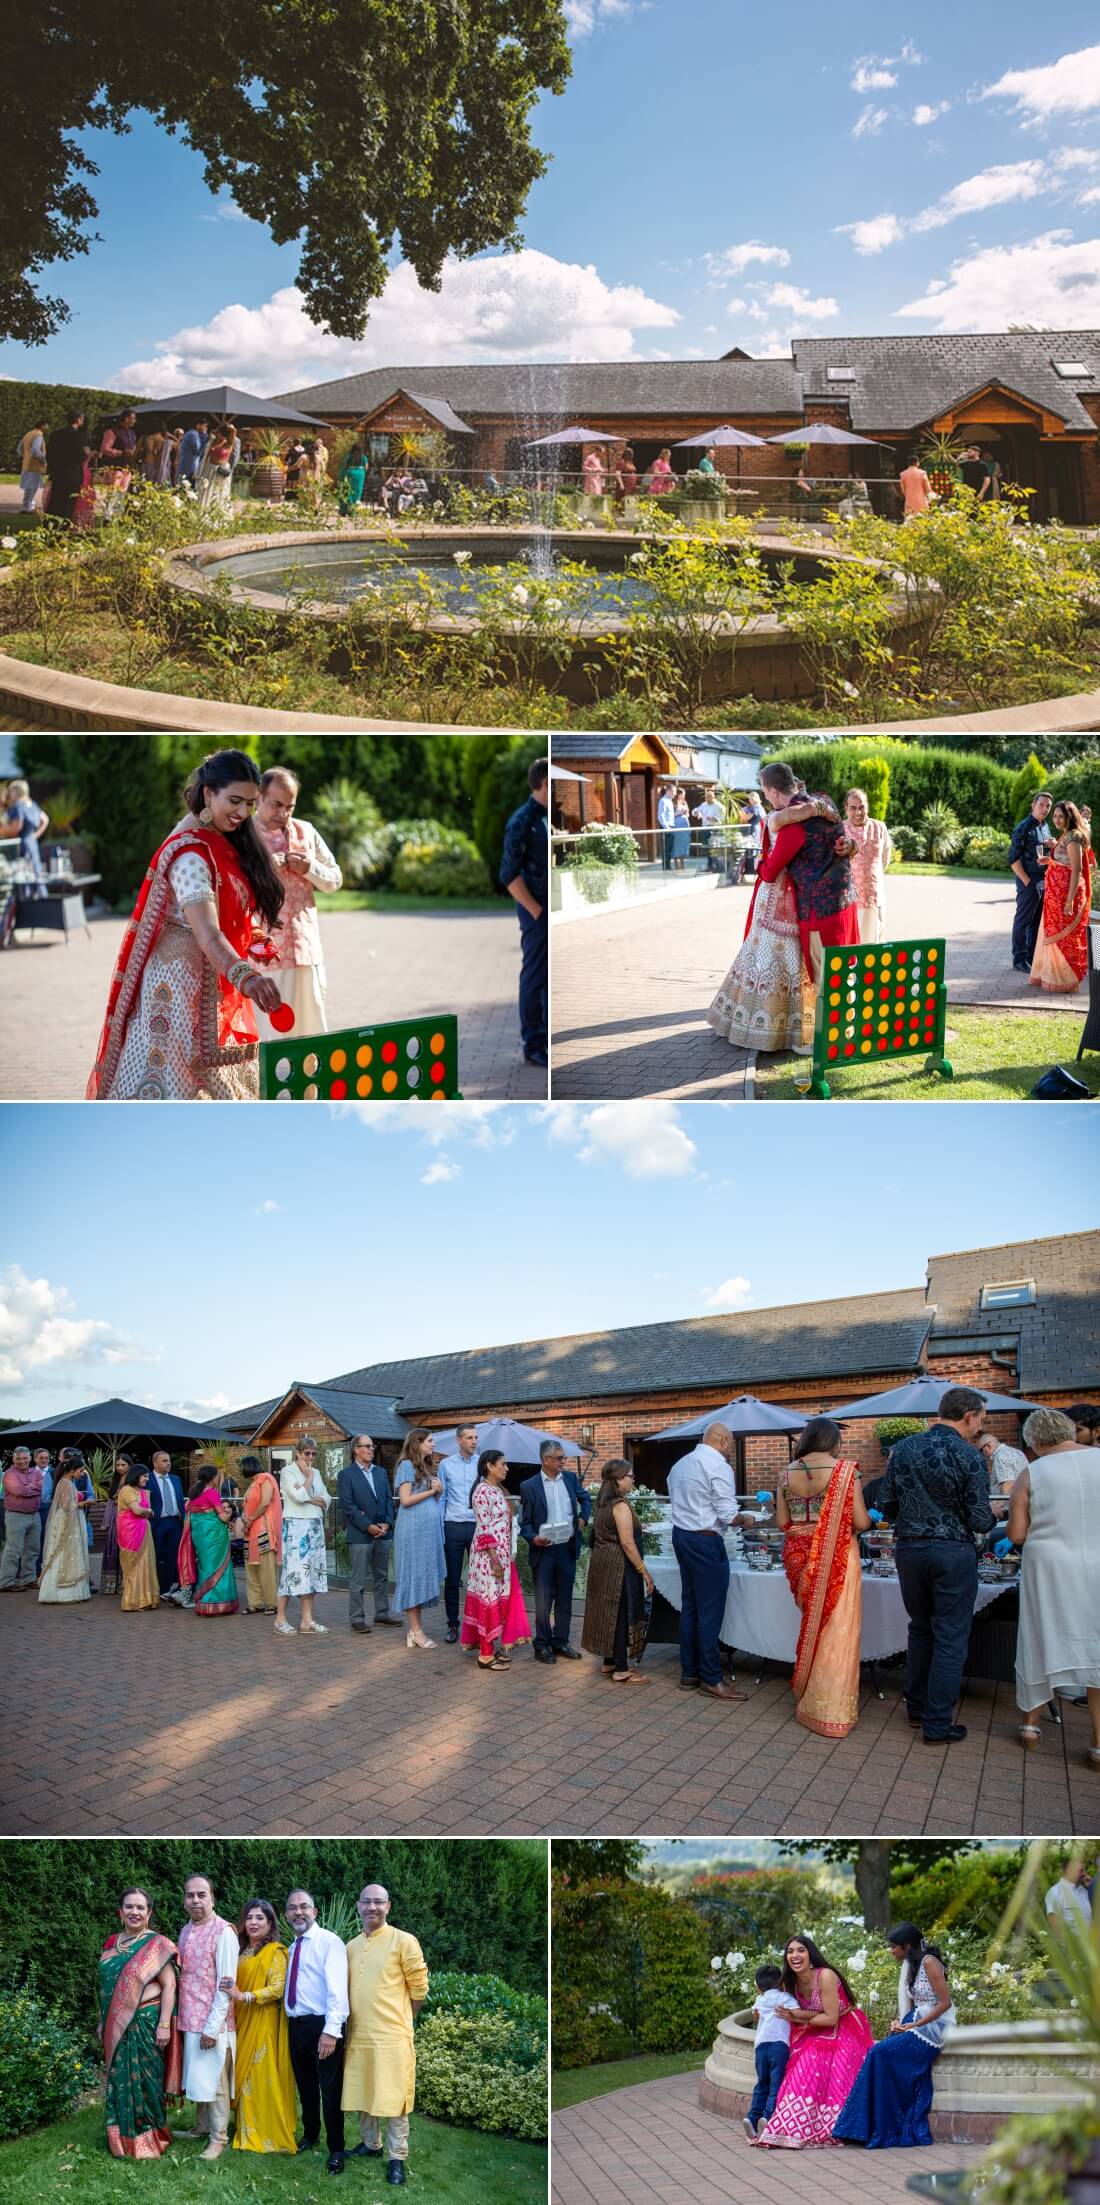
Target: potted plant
[[269, 473]]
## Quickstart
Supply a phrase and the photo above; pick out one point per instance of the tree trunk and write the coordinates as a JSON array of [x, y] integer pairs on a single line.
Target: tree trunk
[[873, 1881]]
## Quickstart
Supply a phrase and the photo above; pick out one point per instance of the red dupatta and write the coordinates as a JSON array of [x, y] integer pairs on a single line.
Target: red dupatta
[[133, 1981], [236, 1025], [816, 1565]]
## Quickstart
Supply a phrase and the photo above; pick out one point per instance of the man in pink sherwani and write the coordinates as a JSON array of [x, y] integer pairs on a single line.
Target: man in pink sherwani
[[292, 955]]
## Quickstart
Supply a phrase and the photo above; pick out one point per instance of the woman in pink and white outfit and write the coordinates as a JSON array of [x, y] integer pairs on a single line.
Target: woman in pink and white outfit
[[290, 953], [870, 858]]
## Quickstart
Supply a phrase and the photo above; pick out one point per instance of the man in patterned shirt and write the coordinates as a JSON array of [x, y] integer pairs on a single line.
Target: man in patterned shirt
[[936, 1495]]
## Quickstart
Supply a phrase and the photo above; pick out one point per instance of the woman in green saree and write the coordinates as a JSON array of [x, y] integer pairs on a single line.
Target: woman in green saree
[[141, 2049], [204, 1559]]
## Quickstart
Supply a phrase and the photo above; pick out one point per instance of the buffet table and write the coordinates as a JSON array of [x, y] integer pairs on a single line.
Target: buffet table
[[761, 1617]]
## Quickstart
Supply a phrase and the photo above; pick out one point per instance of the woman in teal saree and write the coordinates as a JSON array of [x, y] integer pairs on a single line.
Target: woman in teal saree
[[204, 1559], [141, 2049]]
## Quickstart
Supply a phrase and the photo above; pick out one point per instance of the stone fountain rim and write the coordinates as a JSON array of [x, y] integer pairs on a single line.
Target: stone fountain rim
[[965, 2036]]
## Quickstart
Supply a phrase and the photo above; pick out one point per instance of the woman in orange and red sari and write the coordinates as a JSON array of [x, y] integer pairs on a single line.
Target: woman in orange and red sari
[[819, 1504], [1062, 951], [180, 1025], [141, 2050], [262, 1514]]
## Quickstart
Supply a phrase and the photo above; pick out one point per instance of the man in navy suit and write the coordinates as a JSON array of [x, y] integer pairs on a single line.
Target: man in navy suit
[[166, 1509], [364, 1497], [553, 1497]]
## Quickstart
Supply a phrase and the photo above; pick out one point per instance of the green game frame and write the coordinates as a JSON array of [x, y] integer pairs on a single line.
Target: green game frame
[[877, 1001], [396, 1060]]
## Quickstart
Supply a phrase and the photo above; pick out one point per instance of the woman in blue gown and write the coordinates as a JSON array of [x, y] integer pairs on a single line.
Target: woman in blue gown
[[891, 2098]]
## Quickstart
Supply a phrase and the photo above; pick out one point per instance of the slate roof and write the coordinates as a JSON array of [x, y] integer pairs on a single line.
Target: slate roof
[[1058, 1335], [442, 412], [353, 1412], [902, 382], [717, 388], [601, 745], [801, 1341]]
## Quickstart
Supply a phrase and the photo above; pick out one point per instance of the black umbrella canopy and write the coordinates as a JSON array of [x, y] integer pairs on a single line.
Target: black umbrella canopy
[[223, 402], [113, 1421]]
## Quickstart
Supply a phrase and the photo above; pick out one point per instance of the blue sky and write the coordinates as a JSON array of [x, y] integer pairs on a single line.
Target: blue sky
[[202, 1258], [897, 169]]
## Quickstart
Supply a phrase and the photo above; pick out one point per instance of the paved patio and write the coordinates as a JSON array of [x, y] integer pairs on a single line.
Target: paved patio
[[381, 964], [651, 2144], [137, 1723], [630, 989]]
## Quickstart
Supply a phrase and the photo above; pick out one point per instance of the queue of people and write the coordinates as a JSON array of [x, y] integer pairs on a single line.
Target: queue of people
[[240, 2022]]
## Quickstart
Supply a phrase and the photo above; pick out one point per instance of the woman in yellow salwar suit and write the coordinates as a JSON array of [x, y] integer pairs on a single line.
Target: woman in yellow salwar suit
[[263, 2083], [387, 1985]]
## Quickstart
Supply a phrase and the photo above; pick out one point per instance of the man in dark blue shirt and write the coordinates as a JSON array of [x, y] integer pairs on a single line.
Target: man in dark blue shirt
[[1030, 837], [524, 869], [936, 1495]]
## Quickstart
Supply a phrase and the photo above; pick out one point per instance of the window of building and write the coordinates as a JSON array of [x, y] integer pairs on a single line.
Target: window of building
[[1069, 369], [1008, 1294], [840, 374]]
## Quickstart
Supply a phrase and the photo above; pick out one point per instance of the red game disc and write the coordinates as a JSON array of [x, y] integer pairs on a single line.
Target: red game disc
[[282, 1018]]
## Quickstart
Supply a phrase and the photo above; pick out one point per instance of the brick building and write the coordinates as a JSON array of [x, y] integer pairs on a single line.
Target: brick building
[[1031, 397], [1022, 1318]]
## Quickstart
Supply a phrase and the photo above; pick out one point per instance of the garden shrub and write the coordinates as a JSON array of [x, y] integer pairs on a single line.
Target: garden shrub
[[766, 1905], [1031, 777], [453, 1992], [874, 778], [601, 845], [1080, 782], [502, 788], [976, 788], [908, 843], [453, 867], [942, 833], [630, 1957], [890, 1429], [44, 2066], [484, 2073], [349, 820], [989, 853], [974, 1891]]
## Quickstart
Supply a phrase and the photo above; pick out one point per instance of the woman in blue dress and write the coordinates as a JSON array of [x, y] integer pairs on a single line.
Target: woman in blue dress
[[25, 821], [419, 1560], [891, 2098]]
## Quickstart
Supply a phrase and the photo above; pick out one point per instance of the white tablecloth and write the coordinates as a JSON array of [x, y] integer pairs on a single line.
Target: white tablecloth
[[761, 1616]]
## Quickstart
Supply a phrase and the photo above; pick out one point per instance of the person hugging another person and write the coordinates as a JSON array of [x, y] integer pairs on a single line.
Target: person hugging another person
[[771, 2049]]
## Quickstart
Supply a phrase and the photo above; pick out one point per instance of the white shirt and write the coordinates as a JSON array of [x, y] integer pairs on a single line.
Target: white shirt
[[458, 1472], [769, 2028], [709, 813], [168, 1502], [559, 1507], [322, 1985], [298, 1488], [1070, 1901], [702, 1491]]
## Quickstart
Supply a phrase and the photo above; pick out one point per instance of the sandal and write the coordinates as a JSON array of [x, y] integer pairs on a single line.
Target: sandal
[[633, 1676], [306, 1629], [1030, 1736], [1094, 1757], [500, 1661], [485, 1664]]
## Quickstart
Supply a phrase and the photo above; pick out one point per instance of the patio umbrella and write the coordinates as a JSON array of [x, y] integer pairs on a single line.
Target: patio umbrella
[[922, 1397], [574, 436], [562, 773], [519, 1442], [746, 1418], [226, 403], [820, 432], [719, 437]]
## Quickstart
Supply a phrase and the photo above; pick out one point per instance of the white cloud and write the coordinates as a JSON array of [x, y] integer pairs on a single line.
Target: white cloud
[[1091, 197], [511, 306], [877, 72], [999, 186], [926, 112], [268, 1208], [441, 1172], [477, 1124], [870, 121], [1053, 281], [732, 1294], [737, 258], [1076, 156], [582, 17], [800, 303], [645, 1139], [39, 1330], [1069, 86]]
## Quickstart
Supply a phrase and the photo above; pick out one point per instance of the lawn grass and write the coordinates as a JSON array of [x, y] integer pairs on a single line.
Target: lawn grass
[[69, 2164], [384, 899], [572, 2084], [997, 1057]]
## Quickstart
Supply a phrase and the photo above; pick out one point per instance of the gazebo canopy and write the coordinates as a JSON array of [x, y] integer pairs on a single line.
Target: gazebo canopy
[[225, 402], [111, 1422], [922, 1397]]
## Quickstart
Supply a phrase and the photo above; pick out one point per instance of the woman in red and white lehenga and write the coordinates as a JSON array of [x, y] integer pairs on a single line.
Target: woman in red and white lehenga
[[489, 1576], [766, 1000], [180, 1024], [819, 1504], [1062, 950]]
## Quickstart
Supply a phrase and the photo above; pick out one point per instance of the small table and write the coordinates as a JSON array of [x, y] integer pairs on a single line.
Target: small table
[[59, 909]]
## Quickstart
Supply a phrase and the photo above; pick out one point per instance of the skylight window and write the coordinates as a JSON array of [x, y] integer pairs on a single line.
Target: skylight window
[[841, 374], [1008, 1294], [1069, 369]]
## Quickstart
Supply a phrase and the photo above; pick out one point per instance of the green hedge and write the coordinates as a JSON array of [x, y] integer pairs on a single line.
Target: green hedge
[[470, 1996], [968, 1895], [448, 864], [496, 775], [976, 788], [22, 404], [1080, 782], [478, 1906], [482, 2073], [44, 2066], [628, 1959]]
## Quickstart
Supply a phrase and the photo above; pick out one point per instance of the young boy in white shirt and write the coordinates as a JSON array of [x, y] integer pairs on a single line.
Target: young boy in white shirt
[[773, 2046]]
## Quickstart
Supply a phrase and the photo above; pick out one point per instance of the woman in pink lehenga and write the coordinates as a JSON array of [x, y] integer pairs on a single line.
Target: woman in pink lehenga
[[830, 2039]]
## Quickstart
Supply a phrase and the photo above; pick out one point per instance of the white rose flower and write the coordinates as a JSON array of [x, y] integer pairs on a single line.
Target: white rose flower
[[8, 542], [858, 1960], [520, 595], [849, 689], [716, 1963], [463, 558]]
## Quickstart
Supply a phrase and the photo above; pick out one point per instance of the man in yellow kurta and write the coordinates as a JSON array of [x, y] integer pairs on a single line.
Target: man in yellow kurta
[[387, 1986]]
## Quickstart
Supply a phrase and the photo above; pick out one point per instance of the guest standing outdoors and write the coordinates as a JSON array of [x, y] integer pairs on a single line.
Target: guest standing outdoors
[[64, 1575], [263, 2078], [205, 1559], [67, 465], [666, 828], [42, 1462], [819, 1504], [419, 1555], [618, 1580], [136, 1552], [32, 465], [1062, 944], [316, 2000], [142, 2052], [365, 1500], [191, 449], [1053, 1516], [304, 1570], [871, 852], [291, 952], [262, 1516], [22, 1531], [458, 1472], [209, 1952], [166, 1512], [1027, 857], [936, 1494], [524, 872], [487, 1586], [555, 1509], [387, 1986], [704, 1501]]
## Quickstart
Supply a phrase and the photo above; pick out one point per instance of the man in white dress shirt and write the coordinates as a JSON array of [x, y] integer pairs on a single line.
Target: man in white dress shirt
[[209, 1952], [316, 2001], [704, 1504], [1067, 1900], [458, 1472]]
